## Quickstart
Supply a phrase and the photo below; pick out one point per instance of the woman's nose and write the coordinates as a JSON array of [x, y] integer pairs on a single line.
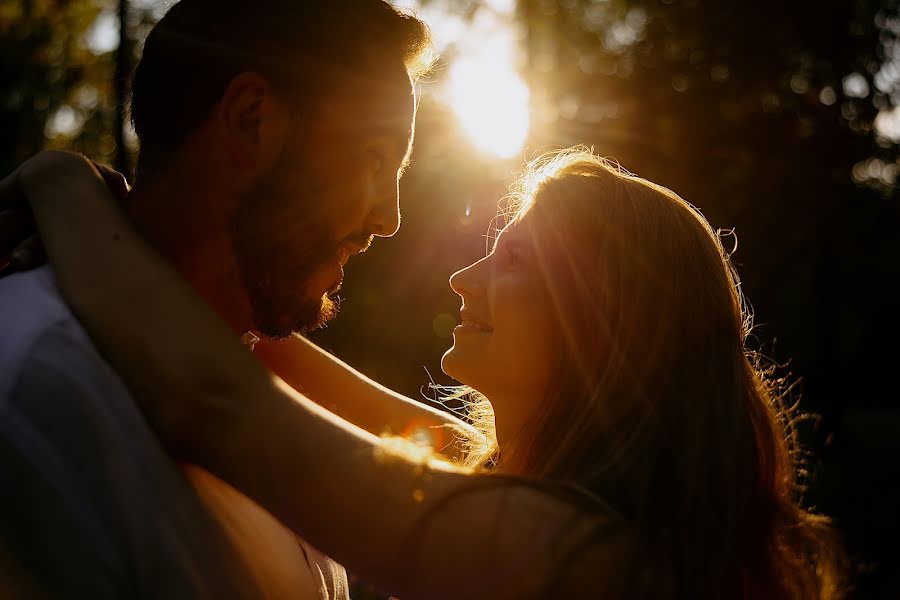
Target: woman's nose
[[467, 281]]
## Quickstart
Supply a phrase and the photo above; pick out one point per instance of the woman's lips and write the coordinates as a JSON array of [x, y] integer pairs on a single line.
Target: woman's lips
[[472, 325], [475, 325]]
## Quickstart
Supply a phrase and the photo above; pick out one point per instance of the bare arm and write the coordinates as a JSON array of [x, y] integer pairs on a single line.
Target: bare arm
[[351, 395], [414, 528]]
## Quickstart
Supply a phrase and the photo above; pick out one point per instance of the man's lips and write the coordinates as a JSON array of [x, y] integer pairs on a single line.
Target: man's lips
[[348, 248], [343, 254], [351, 247], [345, 251]]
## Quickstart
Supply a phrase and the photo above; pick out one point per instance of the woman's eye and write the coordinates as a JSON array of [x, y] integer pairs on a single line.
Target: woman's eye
[[512, 257]]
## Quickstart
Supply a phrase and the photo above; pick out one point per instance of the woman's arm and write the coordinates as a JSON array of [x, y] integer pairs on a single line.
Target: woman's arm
[[415, 528], [351, 395]]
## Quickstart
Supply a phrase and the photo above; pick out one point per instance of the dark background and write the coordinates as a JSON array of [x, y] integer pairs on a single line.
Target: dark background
[[760, 113]]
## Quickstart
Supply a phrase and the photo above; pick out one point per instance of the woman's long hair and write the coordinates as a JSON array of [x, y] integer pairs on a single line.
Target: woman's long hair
[[659, 407]]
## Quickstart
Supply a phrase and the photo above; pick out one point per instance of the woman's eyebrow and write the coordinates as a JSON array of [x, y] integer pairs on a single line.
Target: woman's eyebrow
[[513, 242], [404, 148]]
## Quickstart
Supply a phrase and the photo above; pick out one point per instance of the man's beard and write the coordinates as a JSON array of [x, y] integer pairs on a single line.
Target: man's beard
[[278, 247]]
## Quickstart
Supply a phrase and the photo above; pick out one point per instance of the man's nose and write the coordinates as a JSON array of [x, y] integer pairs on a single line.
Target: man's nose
[[386, 215]]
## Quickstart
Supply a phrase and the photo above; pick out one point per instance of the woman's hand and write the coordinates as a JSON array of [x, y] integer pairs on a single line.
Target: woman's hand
[[20, 245]]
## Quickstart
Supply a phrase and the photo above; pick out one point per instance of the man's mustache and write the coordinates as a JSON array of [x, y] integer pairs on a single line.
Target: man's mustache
[[361, 240]]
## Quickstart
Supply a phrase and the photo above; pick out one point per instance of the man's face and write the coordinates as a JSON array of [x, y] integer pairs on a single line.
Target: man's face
[[333, 189]]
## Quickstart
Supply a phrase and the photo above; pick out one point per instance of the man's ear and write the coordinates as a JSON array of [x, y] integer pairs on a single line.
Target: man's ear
[[253, 124]]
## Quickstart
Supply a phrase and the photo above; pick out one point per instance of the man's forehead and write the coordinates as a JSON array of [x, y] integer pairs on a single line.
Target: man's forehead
[[383, 107]]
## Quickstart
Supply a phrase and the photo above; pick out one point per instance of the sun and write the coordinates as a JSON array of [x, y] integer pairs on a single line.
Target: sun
[[490, 101]]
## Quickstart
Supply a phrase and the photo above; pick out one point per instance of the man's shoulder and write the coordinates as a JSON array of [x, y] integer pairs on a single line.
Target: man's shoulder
[[91, 501], [34, 317], [51, 375], [31, 292]]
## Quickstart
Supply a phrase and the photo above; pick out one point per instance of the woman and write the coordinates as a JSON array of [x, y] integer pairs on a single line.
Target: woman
[[637, 447]]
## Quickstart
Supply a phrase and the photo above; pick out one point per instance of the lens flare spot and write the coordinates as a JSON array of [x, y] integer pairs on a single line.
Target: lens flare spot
[[443, 325]]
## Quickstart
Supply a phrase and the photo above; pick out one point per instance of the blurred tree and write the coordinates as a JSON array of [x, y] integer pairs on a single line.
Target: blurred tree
[[51, 78], [65, 76], [124, 59]]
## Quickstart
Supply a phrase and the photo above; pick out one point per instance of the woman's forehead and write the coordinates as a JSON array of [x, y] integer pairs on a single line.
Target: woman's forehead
[[520, 228]]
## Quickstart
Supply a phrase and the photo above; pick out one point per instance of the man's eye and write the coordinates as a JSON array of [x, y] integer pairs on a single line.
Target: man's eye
[[378, 160]]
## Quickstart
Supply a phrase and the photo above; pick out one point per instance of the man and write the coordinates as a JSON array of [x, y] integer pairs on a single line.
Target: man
[[272, 134]]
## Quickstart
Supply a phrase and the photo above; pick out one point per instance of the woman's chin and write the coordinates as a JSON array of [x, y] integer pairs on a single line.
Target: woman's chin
[[453, 365], [447, 362]]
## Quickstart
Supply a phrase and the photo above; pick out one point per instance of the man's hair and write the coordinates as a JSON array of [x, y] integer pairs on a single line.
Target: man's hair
[[199, 46]]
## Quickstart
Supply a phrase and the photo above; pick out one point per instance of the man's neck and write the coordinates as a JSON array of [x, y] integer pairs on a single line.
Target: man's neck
[[183, 218]]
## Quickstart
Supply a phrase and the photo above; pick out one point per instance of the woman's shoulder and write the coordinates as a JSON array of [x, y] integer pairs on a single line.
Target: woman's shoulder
[[588, 549], [607, 560], [597, 556]]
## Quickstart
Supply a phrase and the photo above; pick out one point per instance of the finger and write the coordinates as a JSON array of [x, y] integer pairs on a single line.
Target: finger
[[29, 254], [114, 180], [16, 225]]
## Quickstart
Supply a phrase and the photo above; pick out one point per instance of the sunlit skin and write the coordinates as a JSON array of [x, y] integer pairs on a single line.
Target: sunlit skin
[[506, 344], [335, 188], [359, 181], [271, 202]]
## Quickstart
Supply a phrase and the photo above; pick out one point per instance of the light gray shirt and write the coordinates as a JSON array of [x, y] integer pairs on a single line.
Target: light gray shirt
[[91, 506]]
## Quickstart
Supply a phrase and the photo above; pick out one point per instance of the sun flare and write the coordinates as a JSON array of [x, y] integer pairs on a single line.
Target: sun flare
[[490, 101]]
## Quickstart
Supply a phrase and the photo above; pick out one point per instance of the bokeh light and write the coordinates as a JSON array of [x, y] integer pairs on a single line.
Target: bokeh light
[[490, 101], [479, 80]]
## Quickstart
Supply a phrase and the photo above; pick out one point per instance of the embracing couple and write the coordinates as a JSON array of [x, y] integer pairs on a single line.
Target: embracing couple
[[620, 441]]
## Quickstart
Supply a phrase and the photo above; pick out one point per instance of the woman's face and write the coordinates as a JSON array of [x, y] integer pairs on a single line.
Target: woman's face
[[507, 341]]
